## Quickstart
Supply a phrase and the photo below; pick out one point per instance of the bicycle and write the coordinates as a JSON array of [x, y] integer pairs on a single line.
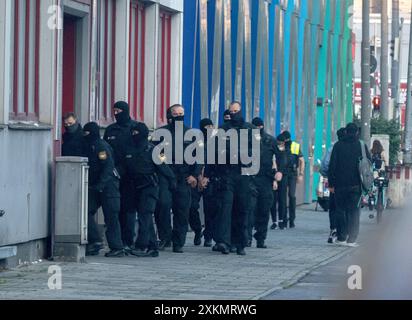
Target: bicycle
[[377, 200]]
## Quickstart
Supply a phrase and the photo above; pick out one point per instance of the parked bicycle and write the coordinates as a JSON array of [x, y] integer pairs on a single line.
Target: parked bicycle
[[377, 197]]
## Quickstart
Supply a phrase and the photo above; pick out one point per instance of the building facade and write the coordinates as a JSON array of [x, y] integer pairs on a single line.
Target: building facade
[[289, 62]]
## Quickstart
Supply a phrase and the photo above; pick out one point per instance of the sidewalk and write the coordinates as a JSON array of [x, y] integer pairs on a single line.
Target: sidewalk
[[198, 273]]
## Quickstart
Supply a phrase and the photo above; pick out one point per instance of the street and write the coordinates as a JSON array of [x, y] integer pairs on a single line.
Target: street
[[278, 272]]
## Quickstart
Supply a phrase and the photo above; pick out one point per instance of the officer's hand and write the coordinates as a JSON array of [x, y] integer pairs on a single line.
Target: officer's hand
[[275, 185], [300, 179], [192, 181], [279, 176]]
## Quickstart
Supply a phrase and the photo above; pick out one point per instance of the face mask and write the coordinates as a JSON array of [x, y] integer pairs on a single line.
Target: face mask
[[122, 117], [236, 117], [72, 129], [281, 147], [178, 118]]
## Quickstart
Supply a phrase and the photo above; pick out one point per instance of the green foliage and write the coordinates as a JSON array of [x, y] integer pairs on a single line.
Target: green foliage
[[391, 128]]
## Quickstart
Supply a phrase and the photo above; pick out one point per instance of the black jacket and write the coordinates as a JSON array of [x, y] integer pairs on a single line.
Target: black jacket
[[180, 170], [72, 143], [101, 164], [119, 137], [268, 150], [344, 163], [141, 168]]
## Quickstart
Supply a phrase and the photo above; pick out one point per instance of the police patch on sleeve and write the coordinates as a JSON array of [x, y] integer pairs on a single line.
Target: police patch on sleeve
[[103, 155]]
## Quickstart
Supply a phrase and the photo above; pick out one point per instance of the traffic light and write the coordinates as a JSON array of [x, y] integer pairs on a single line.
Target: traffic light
[[376, 101]]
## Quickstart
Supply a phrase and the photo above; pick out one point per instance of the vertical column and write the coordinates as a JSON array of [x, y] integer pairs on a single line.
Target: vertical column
[[176, 59], [121, 74], [151, 48], [5, 59]]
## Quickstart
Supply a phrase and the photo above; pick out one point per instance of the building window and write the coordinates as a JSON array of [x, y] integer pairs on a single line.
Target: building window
[[25, 60], [163, 69], [136, 60], [106, 59]]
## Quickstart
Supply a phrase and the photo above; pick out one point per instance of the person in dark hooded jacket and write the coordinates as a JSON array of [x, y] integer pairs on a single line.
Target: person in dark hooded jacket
[[144, 174], [72, 137], [345, 182], [103, 192], [118, 136]]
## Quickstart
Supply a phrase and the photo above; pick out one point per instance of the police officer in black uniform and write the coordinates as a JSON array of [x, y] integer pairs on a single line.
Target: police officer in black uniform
[[144, 173], [295, 169], [72, 137], [103, 192], [236, 190], [119, 137], [178, 197], [265, 181]]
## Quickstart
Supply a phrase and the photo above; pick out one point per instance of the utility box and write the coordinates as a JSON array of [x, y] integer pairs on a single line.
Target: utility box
[[71, 208]]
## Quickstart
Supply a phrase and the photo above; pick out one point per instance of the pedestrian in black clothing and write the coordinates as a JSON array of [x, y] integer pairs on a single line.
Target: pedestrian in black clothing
[[237, 191], [103, 192], [345, 182], [144, 174], [118, 136], [72, 137], [265, 181], [199, 193], [177, 199], [280, 196]]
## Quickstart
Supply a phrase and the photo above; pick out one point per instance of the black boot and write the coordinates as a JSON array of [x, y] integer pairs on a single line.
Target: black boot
[[208, 243], [164, 244], [261, 245], [198, 239], [93, 249], [115, 253], [241, 251], [177, 249]]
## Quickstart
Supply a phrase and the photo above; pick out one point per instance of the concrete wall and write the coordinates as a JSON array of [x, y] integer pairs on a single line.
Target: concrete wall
[[400, 186], [24, 185]]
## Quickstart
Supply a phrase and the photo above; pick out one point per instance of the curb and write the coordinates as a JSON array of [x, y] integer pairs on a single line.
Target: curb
[[300, 275]]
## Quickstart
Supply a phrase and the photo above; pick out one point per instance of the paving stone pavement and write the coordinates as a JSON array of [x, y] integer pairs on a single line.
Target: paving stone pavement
[[197, 274]]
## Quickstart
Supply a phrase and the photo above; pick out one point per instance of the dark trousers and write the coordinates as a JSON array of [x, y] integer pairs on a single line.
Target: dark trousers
[[179, 202], [348, 213], [127, 212], [194, 215], [163, 210], [236, 192], [264, 203], [287, 189], [146, 199], [111, 208], [274, 208], [332, 211], [210, 208]]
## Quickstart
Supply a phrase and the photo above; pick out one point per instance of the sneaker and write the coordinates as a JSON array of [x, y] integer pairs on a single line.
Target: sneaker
[[274, 226], [128, 250], [233, 249], [223, 248], [215, 248], [341, 243], [332, 236], [115, 253], [291, 225], [352, 244], [208, 243]]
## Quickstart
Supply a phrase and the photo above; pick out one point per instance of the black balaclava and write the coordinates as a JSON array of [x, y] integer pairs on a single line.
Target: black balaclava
[[236, 118], [94, 132], [72, 129], [123, 117], [226, 113], [203, 124], [288, 138], [258, 122], [140, 139]]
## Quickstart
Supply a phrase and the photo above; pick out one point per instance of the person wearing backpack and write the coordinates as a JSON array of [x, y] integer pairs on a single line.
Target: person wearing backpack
[[348, 178]]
